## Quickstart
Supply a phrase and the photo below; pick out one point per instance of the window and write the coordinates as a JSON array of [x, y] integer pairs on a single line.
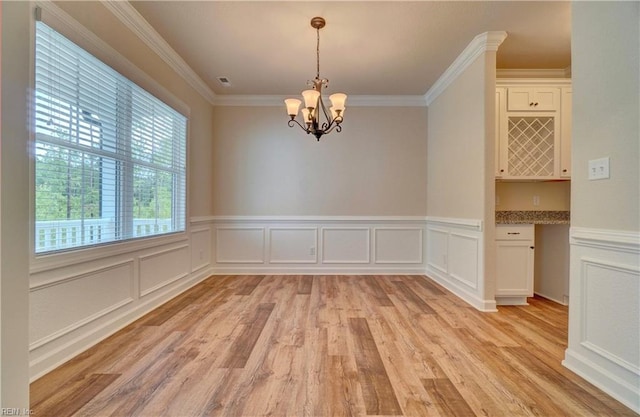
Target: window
[[110, 158]]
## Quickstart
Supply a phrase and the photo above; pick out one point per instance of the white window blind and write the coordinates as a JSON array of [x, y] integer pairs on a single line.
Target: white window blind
[[110, 158]]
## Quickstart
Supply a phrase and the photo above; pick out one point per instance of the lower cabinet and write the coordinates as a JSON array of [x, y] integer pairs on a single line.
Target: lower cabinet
[[514, 267]]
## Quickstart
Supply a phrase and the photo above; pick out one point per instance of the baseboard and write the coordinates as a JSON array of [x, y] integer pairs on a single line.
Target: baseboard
[[289, 270], [564, 301], [619, 389], [510, 300], [468, 297], [58, 356]]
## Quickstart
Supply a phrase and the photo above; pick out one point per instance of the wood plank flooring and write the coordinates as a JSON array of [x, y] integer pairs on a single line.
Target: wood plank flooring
[[326, 346]]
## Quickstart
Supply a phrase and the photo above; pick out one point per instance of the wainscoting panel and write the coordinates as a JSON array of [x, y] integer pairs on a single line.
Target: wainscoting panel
[[240, 245], [200, 248], [79, 298], [293, 245], [437, 249], [463, 258], [70, 302], [455, 258], [604, 313], [318, 245], [395, 245], [161, 268], [343, 245]]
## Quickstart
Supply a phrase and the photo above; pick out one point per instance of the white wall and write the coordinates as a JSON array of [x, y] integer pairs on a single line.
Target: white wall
[[604, 312]]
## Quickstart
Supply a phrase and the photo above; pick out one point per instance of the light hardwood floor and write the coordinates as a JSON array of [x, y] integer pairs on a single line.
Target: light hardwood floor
[[326, 346]]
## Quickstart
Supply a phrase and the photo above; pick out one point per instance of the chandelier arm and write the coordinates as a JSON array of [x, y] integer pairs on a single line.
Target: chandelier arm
[[291, 122], [335, 127]]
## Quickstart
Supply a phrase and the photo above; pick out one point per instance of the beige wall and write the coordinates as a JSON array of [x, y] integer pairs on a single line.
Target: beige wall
[[553, 196], [375, 167], [95, 17], [606, 112], [14, 219], [461, 149], [456, 148]]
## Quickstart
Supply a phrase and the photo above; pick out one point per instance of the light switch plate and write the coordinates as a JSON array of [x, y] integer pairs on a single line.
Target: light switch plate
[[599, 169]]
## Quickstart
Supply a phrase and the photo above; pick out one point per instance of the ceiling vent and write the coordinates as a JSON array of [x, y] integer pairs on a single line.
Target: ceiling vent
[[224, 81]]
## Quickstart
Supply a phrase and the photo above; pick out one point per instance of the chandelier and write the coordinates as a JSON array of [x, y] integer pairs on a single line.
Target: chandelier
[[317, 120]]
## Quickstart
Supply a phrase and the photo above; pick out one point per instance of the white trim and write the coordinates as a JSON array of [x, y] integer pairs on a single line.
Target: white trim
[[616, 240], [324, 260], [312, 219], [376, 257], [534, 73], [144, 293], [130, 17], [294, 261], [353, 101], [488, 41], [239, 261], [471, 224], [79, 275], [316, 270], [465, 295], [53, 261], [58, 355], [76, 325], [602, 378], [545, 82], [585, 262]]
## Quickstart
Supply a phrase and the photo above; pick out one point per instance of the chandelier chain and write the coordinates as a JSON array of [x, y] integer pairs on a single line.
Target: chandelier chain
[[318, 53]]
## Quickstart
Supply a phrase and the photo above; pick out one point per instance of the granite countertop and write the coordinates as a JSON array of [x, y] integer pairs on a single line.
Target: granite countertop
[[533, 217]]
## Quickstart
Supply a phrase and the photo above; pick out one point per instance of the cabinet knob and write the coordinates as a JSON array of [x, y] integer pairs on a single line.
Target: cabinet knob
[[536, 104], [531, 104], [513, 233], [502, 170], [564, 170], [531, 247]]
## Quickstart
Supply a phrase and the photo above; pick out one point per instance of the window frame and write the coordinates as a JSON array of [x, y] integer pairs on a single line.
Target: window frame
[[87, 40]]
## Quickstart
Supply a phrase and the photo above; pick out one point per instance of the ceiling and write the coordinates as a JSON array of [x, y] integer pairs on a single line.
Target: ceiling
[[366, 48]]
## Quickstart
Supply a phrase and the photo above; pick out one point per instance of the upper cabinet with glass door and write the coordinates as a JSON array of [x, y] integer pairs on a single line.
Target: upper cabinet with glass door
[[533, 129]]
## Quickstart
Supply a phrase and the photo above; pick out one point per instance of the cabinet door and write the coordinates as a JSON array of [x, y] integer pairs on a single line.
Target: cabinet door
[[514, 269], [533, 98], [565, 136], [501, 107], [529, 147]]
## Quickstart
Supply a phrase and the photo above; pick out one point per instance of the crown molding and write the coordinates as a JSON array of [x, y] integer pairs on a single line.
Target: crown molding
[[352, 101], [534, 73], [559, 82], [130, 17], [488, 41]]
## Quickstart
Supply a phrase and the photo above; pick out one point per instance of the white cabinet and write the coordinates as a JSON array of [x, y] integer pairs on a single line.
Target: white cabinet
[[565, 134], [533, 130], [514, 263], [533, 98]]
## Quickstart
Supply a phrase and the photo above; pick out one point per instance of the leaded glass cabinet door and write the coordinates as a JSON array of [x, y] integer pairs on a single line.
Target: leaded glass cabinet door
[[530, 145]]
